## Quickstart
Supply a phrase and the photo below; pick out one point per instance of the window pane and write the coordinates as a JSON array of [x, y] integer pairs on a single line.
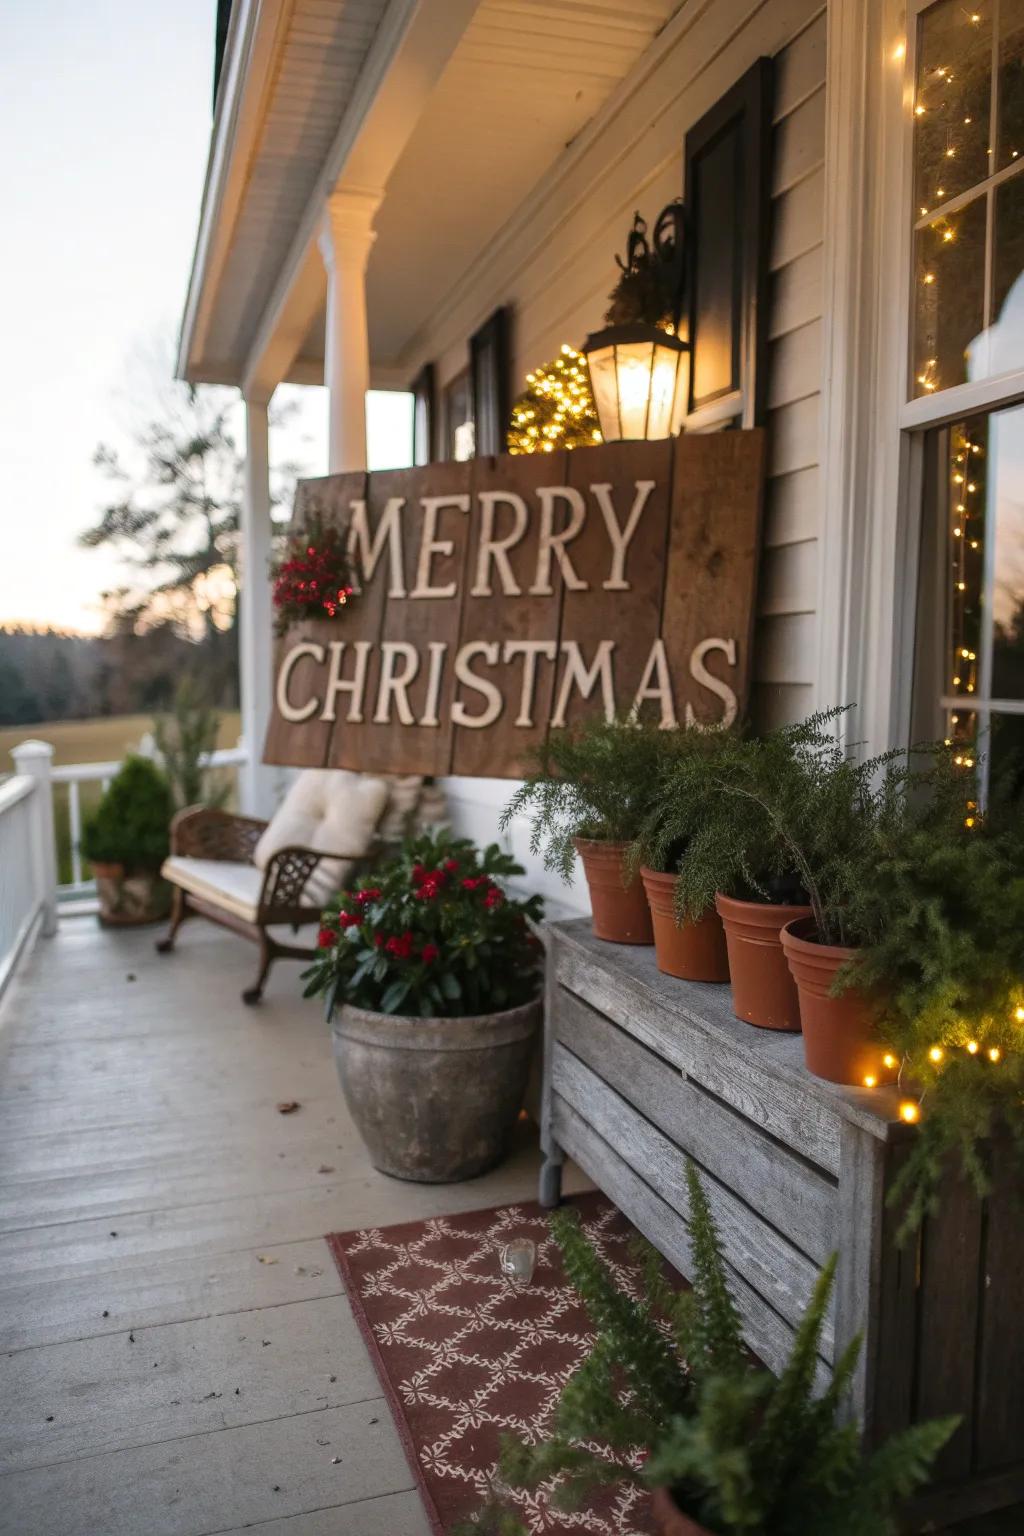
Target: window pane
[[1004, 748], [952, 101], [1011, 81], [967, 464], [949, 296], [1007, 305], [1005, 497]]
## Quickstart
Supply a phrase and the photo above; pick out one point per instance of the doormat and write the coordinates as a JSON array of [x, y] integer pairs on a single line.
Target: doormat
[[463, 1355]]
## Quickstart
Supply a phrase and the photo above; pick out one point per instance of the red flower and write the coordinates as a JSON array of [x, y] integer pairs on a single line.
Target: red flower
[[325, 938], [399, 945], [494, 897], [370, 893], [429, 953], [378, 941], [451, 865], [473, 882], [350, 919]]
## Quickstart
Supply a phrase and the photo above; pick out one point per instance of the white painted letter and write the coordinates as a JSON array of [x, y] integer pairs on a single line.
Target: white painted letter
[[554, 543], [295, 712], [431, 545], [492, 549], [355, 686], [365, 556], [488, 649], [621, 538], [530, 651], [437, 649], [396, 686], [715, 685], [656, 684], [586, 682]]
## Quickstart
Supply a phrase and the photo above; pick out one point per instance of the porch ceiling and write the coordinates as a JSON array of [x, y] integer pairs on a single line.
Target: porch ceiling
[[521, 81]]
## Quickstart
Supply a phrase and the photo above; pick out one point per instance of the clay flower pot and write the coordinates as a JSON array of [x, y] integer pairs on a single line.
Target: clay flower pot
[[620, 911], [839, 1042], [763, 989], [435, 1100], [670, 1518], [691, 951], [130, 898]]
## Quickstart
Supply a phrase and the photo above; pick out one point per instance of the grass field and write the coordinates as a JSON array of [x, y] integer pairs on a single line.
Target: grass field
[[90, 741]]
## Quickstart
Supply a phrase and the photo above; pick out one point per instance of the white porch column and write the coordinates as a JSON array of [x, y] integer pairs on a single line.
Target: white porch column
[[345, 242], [35, 758], [255, 646]]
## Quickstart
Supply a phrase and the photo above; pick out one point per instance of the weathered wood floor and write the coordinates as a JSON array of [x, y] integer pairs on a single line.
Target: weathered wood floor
[[178, 1356]]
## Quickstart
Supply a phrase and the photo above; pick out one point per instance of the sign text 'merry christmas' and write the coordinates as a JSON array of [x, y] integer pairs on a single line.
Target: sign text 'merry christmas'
[[507, 597]]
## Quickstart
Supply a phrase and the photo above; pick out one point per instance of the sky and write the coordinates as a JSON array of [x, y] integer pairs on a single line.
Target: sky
[[105, 115]]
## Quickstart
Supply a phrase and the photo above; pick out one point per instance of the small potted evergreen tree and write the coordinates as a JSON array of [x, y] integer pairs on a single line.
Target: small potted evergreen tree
[[668, 1399], [126, 841], [431, 975], [589, 795]]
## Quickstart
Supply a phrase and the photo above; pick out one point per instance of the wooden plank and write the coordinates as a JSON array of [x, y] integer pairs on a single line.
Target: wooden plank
[[305, 744], [948, 1303], [764, 1078], [860, 1235], [766, 1333], [636, 475], [998, 1431], [791, 1195], [712, 565], [778, 1272], [893, 1351], [506, 619]]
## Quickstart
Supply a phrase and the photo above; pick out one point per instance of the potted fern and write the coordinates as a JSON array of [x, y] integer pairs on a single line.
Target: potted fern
[[431, 975], [678, 1406], [126, 841], [589, 795]]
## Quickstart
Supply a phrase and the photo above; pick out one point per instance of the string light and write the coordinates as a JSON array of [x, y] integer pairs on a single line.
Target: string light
[[870, 1080], [556, 410], [1018, 1014], [910, 1112], [972, 1047], [994, 1053], [935, 1054], [889, 1060]]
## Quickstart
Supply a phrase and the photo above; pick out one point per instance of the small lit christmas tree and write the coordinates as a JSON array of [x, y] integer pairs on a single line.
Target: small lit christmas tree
[[556, 410]]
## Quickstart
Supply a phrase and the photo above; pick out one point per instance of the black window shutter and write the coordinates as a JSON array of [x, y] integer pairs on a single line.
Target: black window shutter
[[422, 390], [490, 365], [727, 192]]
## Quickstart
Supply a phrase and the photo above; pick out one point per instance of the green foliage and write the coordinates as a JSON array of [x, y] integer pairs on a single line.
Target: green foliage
[[742, 1450], [130, 824], [601, 780], [184, 741], [433, 933]]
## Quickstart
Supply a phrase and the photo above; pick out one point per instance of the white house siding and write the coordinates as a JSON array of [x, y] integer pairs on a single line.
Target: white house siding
[[553, 264]]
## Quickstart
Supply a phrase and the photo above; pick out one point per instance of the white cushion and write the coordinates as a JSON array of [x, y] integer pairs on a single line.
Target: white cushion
[[331, 811], [233, 887]]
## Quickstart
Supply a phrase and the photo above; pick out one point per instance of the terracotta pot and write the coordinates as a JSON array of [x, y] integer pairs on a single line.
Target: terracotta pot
[[130, 898], [763, 989], [670, 1518], [435, 1100], [691, 951], [839, 1042], [620, 911]]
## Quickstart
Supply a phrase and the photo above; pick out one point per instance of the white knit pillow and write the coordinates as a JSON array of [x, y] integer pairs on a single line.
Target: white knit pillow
[[331, 811]]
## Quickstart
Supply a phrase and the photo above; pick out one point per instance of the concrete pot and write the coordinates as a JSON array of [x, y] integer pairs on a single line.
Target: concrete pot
[[691, 951], [839, 1041], [434, 1099], [670, 1518], [130, 898], [620, 911], [763, 990]]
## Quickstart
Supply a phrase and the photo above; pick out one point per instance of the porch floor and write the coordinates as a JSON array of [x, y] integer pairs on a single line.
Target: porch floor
[[179, 1355]]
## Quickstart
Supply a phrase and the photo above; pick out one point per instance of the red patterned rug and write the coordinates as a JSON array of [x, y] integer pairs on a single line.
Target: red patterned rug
[[463, 1355]]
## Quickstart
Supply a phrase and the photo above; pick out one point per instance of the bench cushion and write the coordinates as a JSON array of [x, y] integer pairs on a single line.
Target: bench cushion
[[233, 887], [330, 811]]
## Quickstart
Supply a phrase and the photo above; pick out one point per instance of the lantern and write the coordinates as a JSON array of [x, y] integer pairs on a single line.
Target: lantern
[[639, 376]]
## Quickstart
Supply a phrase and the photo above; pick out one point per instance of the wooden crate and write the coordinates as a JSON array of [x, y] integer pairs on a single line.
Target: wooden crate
[[641, 1068]]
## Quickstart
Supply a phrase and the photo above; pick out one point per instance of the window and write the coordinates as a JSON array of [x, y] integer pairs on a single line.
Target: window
[[967, 314], [459, 431], [967, 384]]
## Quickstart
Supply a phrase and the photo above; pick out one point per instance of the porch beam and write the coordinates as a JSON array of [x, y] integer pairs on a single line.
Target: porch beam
[[256, 782]]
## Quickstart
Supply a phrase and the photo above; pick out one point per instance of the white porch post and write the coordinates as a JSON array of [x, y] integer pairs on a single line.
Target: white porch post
[[35, 759], [256, 782], [345, 243]]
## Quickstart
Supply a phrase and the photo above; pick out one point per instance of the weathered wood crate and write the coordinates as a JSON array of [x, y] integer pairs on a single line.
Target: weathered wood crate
[[640, 1069]]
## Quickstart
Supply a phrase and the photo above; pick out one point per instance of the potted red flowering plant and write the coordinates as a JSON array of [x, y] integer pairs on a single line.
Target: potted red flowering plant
[[313, 579], [431, 973]]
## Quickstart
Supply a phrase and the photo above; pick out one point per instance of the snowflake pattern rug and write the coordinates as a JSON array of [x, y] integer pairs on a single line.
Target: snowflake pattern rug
[[464, 1355]]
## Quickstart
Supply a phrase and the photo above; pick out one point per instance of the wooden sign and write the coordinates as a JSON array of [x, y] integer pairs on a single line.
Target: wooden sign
[[503, 598]]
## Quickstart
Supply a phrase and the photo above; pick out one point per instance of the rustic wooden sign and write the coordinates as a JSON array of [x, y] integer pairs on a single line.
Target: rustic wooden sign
[[503, 598]]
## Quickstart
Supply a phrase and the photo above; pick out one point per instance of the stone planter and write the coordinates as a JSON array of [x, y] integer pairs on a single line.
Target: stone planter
[[434, 1099], [130, 898]]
